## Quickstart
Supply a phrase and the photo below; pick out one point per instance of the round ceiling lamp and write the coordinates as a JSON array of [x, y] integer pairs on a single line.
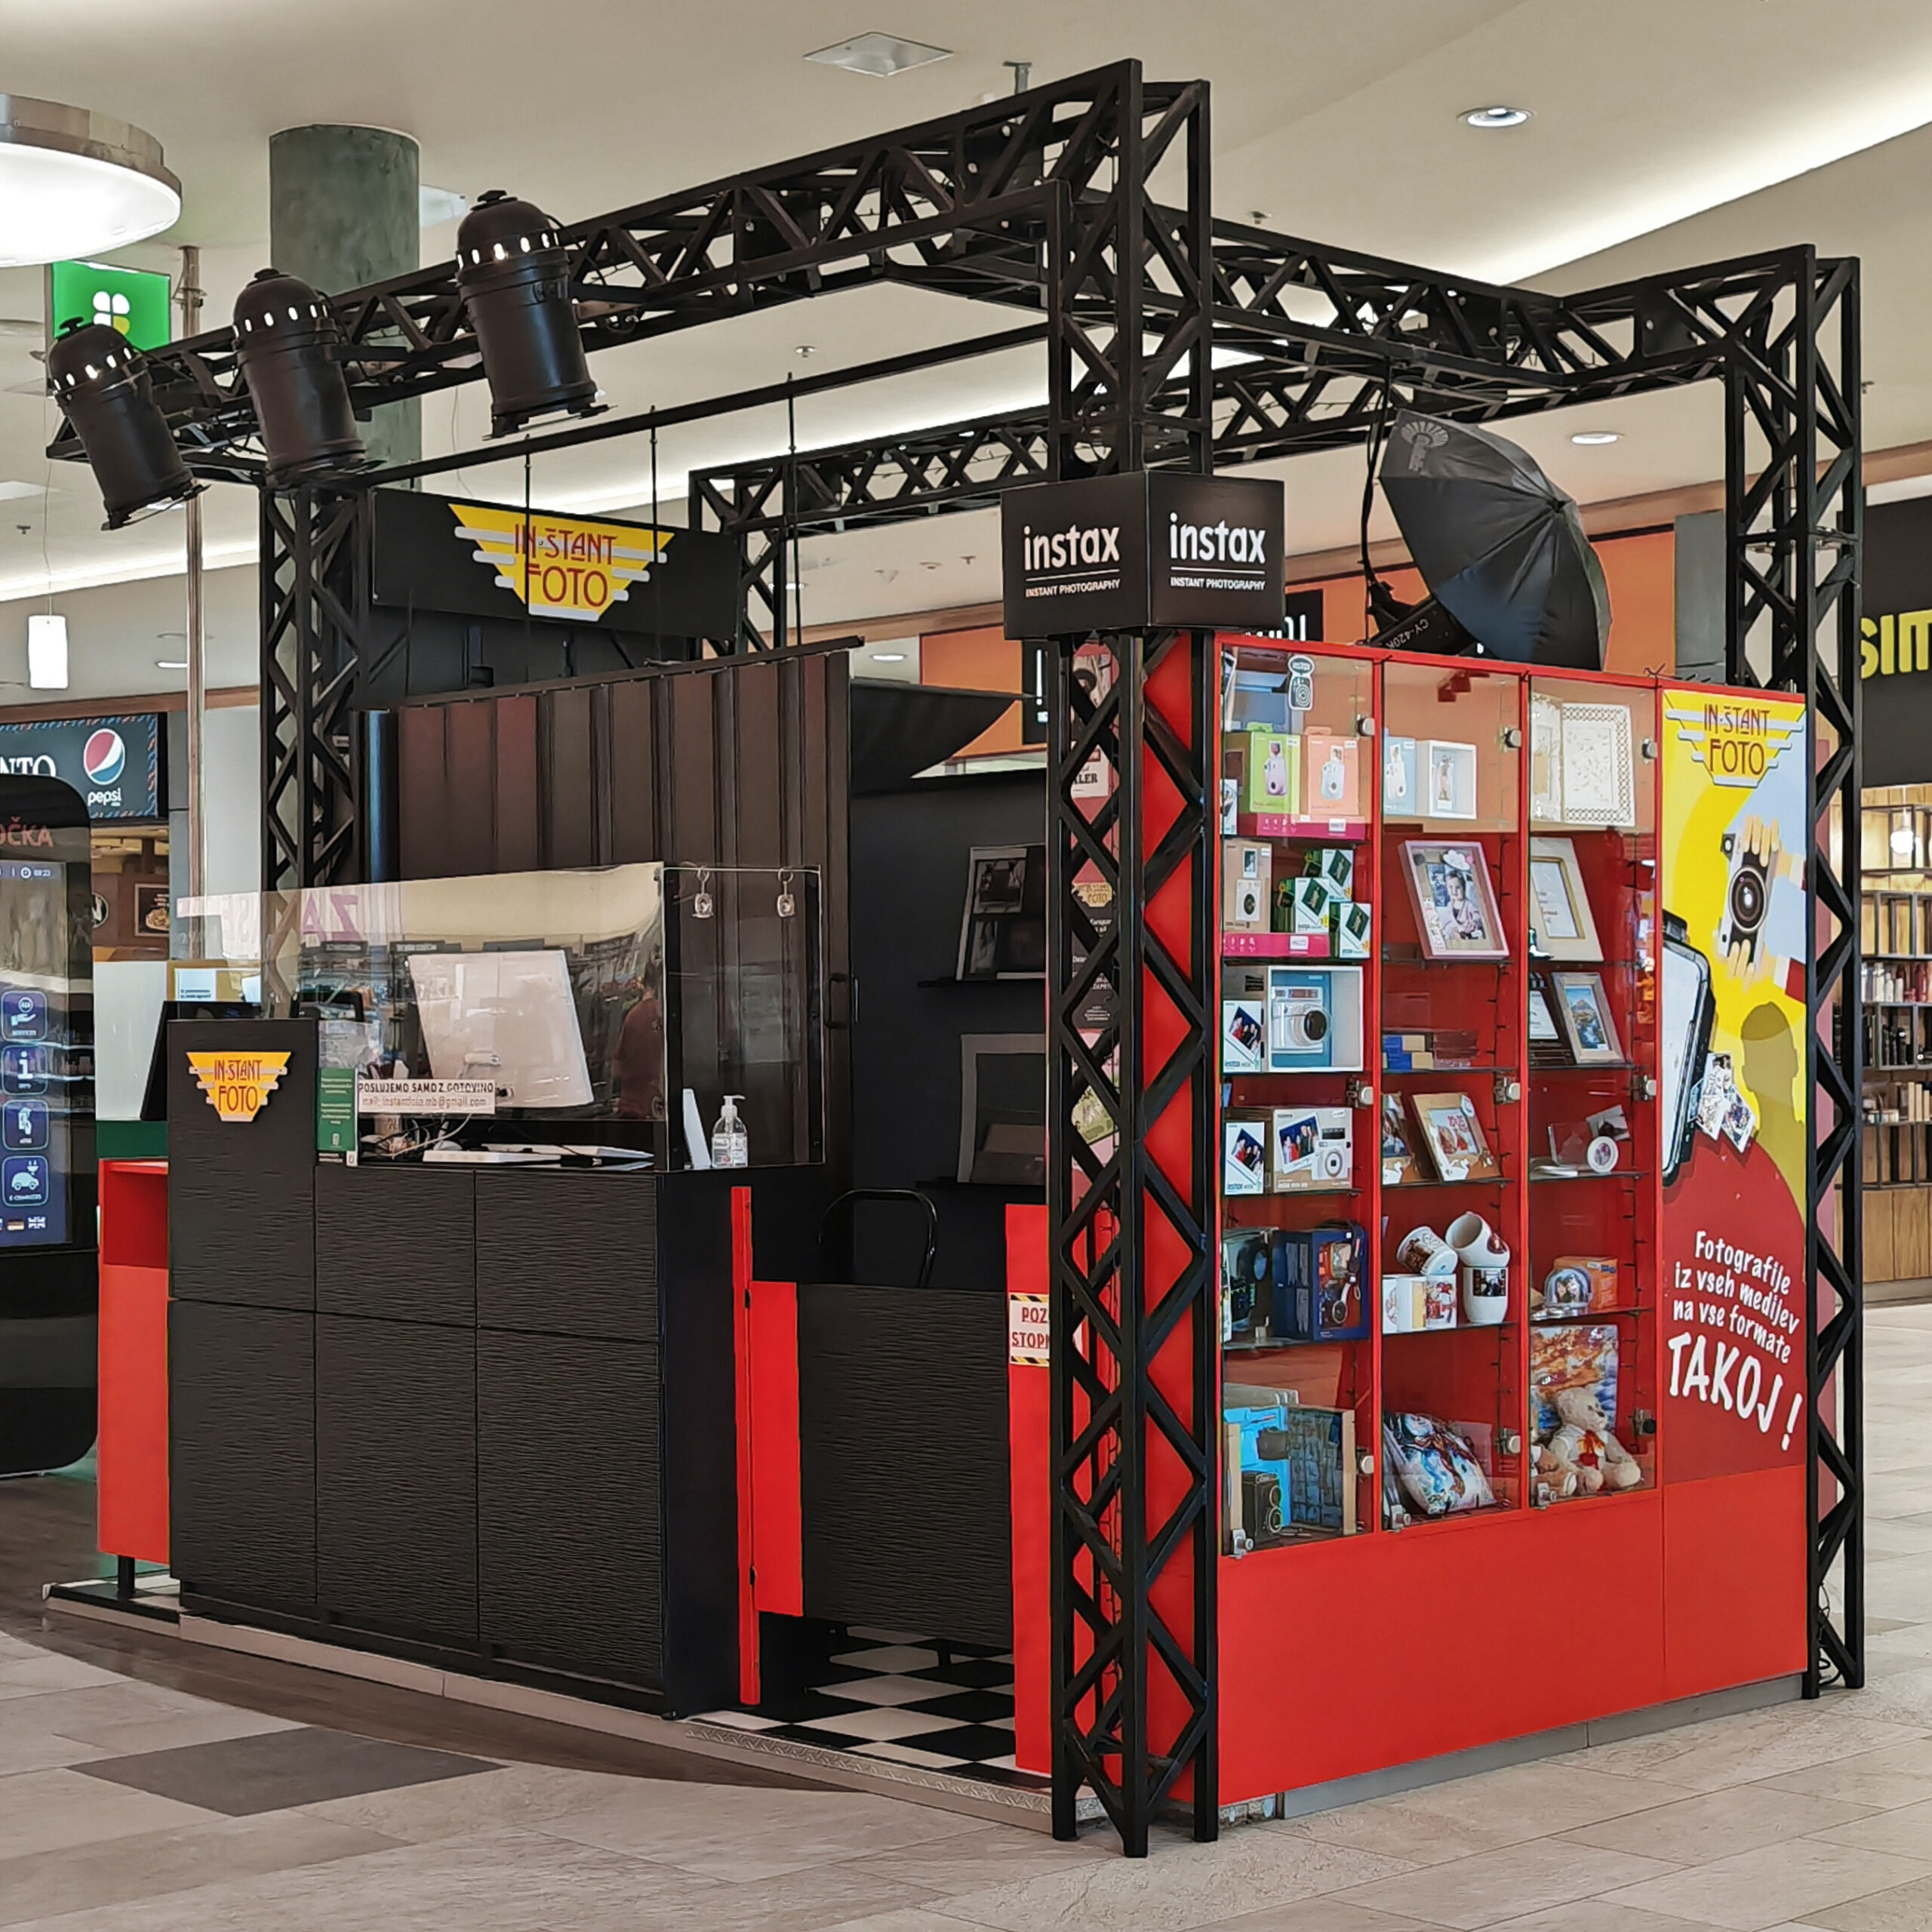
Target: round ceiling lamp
[[75, 183]]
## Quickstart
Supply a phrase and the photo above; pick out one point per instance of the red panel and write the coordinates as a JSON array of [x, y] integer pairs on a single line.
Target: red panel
[[1435, 1639], [777, 1537], [1734, 1575], [1029, 1423], [741, 1331], [132, 1481]]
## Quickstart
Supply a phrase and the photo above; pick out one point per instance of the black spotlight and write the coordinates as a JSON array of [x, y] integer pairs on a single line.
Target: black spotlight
[[101, 382], [290, 353], [1501, 547], [515, 276]]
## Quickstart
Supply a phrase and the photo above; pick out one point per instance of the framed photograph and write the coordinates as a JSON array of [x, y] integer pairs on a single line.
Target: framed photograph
[[1447, 774], [1582, 1010], [1400, 1167], [1559, 905], [1003, 935], [1548, 1045], [1453, 1137], [1455, 909]]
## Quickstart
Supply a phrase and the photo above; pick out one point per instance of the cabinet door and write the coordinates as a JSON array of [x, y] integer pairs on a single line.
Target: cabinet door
[[567, 1253], [570, 1496], [242, 1453], [399, 1242], [395, 1457]]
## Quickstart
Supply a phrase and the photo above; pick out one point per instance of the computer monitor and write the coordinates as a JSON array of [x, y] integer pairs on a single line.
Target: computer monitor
[[509, 1017]]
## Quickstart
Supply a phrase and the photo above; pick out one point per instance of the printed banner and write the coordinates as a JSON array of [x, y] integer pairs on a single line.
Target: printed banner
[[560, 566], [1026, 1330], [1733, 1104]]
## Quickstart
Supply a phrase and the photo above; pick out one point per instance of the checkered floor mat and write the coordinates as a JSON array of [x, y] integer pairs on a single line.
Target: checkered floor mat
[[893, 1694]]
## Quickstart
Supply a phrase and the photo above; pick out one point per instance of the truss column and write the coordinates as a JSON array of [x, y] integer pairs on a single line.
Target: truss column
[[313, 832], [1133, 1283], [1791, 380]]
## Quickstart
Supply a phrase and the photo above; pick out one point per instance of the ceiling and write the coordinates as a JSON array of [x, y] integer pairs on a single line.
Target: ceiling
[[1664, 132]]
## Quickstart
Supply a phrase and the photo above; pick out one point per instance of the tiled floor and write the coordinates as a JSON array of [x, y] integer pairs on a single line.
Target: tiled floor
[[128, 1801]]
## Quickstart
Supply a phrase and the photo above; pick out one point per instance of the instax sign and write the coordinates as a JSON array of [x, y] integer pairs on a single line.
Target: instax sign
[[1147, 549]]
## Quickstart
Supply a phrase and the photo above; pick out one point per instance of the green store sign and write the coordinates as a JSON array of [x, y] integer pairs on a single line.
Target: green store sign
[[133, 300]]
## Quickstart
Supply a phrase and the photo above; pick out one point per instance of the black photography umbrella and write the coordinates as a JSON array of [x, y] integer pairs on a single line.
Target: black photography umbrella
[[1501, 547]]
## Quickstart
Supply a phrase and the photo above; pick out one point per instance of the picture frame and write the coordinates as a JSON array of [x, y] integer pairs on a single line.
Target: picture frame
[[1599, 780], [1583, 1011], [1454, 903], [1446, 773], [1548, 1045], [1545, 760], [1560, 902], [1401, 1167], [1003, 932], [1452, 1136]]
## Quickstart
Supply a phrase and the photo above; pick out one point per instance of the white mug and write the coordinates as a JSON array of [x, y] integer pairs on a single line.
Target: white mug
[[1476, 1242], [1423, 1251], [1485, 1292]]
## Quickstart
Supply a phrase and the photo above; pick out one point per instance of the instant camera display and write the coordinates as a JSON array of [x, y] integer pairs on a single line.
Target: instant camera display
[[1559, 905], [1582, 1010], [1004, 933], [506, 1018], [1455, 914], [1453, 1137], [1314, 1149], [1314, 1019], [1248, 1271]]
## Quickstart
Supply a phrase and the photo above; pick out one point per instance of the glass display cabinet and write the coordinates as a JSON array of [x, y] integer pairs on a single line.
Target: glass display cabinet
[[593, 999], [1439, 1042]]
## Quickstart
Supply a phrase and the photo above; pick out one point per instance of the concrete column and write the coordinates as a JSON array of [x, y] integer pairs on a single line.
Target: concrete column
[[343, 212]]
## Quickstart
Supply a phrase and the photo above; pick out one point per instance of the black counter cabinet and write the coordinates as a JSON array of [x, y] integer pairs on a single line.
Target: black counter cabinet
[[482, 1416]]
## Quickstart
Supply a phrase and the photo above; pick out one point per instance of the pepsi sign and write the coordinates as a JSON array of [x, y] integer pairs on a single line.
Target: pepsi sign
[[115, 763]]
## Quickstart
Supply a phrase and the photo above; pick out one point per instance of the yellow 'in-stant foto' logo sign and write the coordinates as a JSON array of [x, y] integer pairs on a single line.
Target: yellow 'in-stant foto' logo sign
[[238, 1085], [561, 566], [1735, 741]]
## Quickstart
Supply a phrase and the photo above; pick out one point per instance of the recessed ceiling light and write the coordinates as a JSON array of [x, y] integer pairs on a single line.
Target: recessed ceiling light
[[72, 182], [1591, 439], [806, 350], [1496, 117], [881, 55], [888, 656]]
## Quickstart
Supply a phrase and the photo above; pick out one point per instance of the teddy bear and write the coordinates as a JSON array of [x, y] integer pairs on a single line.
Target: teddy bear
[[1586, 1445]]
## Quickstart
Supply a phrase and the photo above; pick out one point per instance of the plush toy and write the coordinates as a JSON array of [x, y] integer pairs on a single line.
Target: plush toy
[[1586, 1447], [1557, 1479]]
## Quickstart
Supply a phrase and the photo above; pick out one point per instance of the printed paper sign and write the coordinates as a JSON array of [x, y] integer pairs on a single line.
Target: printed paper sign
[[238, 1085], [426, 1096], [1026, 1333]]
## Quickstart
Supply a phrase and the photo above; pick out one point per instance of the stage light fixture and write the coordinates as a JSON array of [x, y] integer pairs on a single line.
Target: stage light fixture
[[290, 353], [101, 382], [515, 275]]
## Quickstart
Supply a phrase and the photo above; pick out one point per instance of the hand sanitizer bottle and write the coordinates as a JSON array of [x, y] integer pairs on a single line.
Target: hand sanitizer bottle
[[729, 1147]]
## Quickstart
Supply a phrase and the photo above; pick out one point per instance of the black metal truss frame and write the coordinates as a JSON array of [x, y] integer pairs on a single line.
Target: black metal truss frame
[[1046, 203], [1133, 1354]]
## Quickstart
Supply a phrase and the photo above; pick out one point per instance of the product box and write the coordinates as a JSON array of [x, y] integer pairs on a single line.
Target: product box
[[1331, 774], [1246, 867], [1598, 1271], [1247, 1276], [1315, 1019], [1334, 865], [1244, 1154], [1313, 1149], [1303, 904], [1268, 765], [1323, 1294], [1400, 798], [1351, 925], [1243, 1036]]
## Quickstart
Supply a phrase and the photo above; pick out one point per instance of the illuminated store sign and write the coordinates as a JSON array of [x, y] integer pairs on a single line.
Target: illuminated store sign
[[114, 763]]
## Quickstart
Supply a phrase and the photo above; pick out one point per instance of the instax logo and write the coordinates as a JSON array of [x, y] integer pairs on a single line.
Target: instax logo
[[1071, 548]]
